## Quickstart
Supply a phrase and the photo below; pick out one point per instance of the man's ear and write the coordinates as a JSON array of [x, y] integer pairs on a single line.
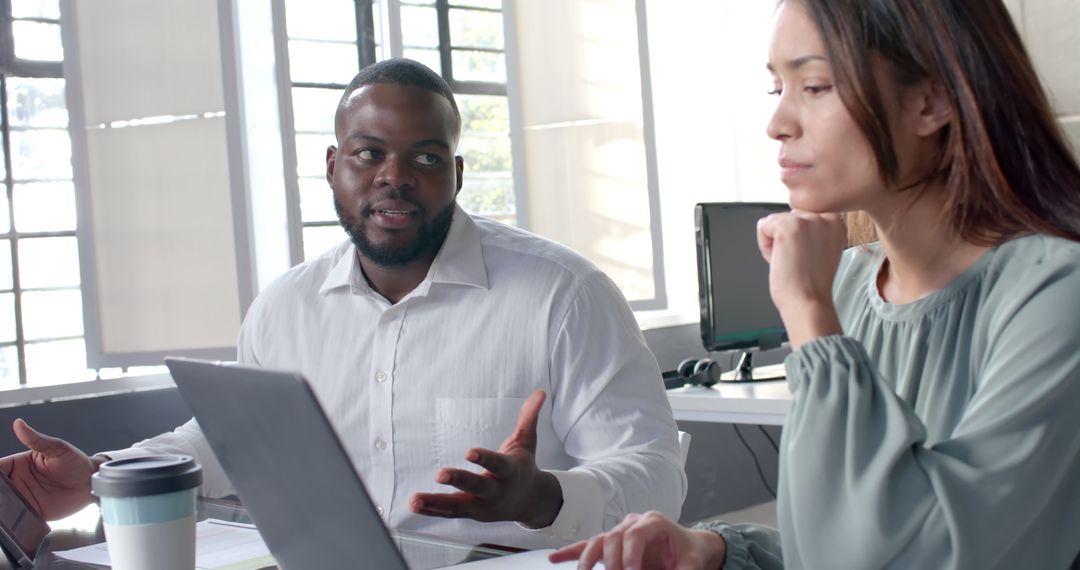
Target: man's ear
[[331, 159], [934, 108], [459, 165]]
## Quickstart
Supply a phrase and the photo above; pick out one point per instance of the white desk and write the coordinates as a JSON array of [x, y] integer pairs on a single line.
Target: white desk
[[761, 403]]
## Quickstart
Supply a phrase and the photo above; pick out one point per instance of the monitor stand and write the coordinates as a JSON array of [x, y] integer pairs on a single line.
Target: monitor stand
[[744, 372]]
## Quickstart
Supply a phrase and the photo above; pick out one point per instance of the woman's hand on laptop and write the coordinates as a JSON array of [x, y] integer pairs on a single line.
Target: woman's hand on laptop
[[53, 476], [512, 487], [649, 541]]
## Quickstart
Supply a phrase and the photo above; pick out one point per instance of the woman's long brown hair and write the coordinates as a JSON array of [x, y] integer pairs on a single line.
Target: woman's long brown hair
[[1007, 167]]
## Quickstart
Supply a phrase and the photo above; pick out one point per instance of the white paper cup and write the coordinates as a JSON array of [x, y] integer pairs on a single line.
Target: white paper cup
[[148, 504]]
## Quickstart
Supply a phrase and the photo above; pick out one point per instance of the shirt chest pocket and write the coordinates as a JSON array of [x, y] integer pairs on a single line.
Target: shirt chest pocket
[[465, 423]]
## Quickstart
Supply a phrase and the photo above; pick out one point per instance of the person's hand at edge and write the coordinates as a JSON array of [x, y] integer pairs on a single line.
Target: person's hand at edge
[[512, 487], [53, 475], [803, 250], [648, 542]]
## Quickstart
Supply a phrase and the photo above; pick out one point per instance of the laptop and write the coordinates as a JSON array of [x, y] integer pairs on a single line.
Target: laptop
[[288, 466]]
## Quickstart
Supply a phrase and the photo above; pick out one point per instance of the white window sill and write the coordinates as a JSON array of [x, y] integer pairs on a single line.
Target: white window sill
[[76, 390], [649, 320]]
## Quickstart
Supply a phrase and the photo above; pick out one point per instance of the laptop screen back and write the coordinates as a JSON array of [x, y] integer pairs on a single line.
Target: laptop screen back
[[288, 466]]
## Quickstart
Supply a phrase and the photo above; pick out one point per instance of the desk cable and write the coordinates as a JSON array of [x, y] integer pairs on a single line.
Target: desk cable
[[757, 464]]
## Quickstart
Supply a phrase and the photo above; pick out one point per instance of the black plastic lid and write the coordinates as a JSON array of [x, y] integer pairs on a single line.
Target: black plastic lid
[[150, 475]]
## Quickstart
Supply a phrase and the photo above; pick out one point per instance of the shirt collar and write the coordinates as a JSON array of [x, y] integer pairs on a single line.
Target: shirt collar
[[459, 261]]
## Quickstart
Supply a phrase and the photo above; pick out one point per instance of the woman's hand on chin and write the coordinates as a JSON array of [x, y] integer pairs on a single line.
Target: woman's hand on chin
[[803, 251]]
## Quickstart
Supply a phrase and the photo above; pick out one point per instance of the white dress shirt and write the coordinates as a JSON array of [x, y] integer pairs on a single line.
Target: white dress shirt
[[410, 387]]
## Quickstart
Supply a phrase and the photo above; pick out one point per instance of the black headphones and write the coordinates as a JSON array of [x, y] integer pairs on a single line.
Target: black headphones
[[703, 372]]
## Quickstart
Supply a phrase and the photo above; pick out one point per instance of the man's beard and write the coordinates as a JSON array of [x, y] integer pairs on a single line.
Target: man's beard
[[429, 237]]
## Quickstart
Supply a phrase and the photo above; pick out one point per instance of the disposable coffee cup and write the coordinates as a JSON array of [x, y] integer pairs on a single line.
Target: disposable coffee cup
[[148, 504]]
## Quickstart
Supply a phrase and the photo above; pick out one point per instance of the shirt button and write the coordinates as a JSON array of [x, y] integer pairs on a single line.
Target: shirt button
[[379, 510], [380, 376], [380, 443]]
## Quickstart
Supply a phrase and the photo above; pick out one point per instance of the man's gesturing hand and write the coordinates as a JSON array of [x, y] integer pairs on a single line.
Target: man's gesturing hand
[[53, 475], [511, 489]]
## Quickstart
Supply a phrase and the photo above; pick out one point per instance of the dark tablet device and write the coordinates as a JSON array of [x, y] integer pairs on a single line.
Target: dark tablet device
[[21, 528]]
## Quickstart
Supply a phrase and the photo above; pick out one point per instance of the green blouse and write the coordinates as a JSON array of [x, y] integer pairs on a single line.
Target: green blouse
[[943, 433]]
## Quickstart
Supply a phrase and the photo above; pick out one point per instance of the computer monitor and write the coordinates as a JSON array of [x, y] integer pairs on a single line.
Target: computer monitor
[[733, 282]]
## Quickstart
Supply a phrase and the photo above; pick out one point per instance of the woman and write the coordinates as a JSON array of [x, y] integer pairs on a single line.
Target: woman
[[936, 372]]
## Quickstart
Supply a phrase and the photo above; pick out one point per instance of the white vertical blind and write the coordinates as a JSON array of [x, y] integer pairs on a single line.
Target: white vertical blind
[[163, 269], [583, 132]]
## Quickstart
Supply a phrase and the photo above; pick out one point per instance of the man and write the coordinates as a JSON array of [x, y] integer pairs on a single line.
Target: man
[[430, 337]]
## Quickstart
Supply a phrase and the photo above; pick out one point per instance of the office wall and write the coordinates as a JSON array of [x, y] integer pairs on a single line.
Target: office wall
[[99, 423], [1051, 30]]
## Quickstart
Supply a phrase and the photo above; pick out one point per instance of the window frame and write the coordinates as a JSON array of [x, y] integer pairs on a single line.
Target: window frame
[[446, 48], [366, 55], [13, 66]]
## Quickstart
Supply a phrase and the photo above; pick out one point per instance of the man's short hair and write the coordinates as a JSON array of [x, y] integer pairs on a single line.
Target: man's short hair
[[401, 71]]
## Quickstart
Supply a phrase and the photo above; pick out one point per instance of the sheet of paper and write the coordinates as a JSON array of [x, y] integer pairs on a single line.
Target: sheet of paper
[[531, 560], [219, 545]]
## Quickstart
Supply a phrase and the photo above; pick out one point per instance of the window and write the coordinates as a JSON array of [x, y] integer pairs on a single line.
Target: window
[[725, 154], [41, 318], [589, 166], [41, 324], [330, 40]]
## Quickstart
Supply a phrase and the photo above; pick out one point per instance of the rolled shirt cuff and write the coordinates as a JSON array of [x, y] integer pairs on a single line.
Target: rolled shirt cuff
[[124, 453], [582, 513], [823, 353]]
